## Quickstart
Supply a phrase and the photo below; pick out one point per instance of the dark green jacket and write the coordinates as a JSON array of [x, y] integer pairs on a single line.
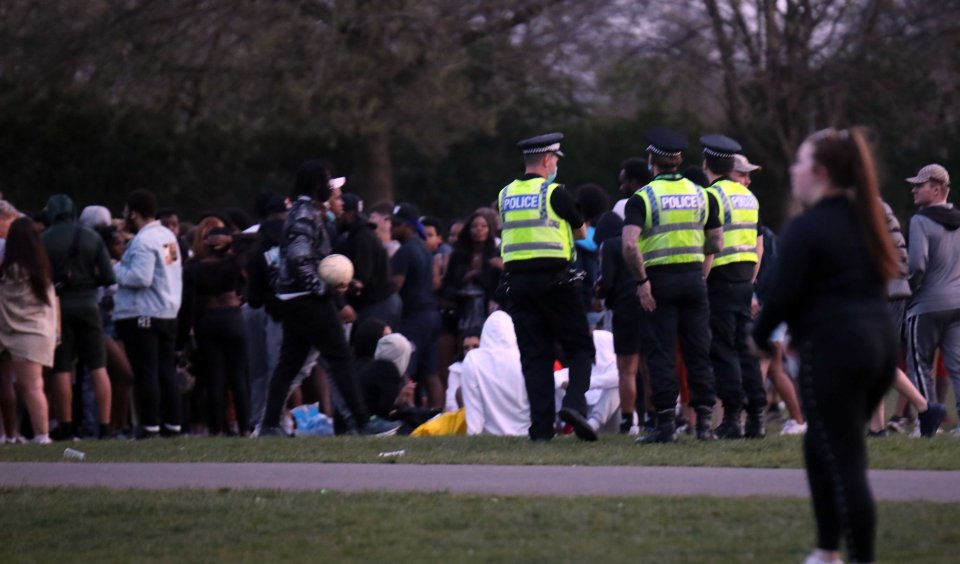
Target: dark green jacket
[[76, 277]]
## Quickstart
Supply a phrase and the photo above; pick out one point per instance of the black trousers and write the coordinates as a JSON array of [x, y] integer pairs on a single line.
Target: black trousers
[[737, 371], [222, 343], [151, 347], [682, 311], [546, 312], [313, 321], [846, 367]]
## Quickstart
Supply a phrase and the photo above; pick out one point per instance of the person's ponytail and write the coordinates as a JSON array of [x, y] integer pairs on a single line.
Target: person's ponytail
[[848, 160], [873, 224]]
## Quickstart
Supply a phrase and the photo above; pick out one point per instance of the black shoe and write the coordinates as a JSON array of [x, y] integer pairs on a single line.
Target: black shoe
[[666, 433], [168, 431], [729, 428], [581, 428], [380, 427], [931, 419], [271, 432], [704, 419], [626, 421], [63, 432], [753, 429], [876, 434], [143, 434]]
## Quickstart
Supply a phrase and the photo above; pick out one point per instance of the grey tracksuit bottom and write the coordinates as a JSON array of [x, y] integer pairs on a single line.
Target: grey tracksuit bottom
[[927, 332]]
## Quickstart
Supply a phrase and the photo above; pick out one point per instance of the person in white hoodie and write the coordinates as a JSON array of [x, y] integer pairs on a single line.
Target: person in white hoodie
[[603, 397], [492, 384], [494, 392]]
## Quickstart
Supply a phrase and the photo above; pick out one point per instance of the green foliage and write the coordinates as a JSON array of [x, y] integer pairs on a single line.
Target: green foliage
[[97, 153]]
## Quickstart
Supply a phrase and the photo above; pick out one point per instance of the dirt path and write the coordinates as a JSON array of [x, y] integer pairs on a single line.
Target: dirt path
[[939, 486]]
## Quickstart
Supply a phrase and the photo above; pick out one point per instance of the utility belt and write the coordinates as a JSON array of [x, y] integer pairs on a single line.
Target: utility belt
[[566, 277]]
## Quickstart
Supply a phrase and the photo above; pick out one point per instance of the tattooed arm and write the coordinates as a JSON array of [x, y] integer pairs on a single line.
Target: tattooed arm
[[631, 251], [634, 259]]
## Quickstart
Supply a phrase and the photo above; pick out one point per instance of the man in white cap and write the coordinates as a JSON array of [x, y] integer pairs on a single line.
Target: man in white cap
[[933, 313], [742, 167]]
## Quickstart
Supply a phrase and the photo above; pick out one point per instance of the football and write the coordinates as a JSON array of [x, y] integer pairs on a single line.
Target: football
[[336, 270]]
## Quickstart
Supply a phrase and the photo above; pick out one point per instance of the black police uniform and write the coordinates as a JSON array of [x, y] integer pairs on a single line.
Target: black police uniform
[[546, 308], [682, 311], [730, 290]]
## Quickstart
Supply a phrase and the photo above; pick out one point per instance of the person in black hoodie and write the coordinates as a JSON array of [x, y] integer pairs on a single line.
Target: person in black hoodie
[[373, 294], [80, 265]]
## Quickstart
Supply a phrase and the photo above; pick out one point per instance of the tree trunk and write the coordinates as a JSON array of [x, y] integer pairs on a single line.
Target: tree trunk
[[372, 177]]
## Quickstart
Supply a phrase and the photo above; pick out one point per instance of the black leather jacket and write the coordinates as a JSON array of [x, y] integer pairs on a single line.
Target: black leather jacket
[[304, 244]]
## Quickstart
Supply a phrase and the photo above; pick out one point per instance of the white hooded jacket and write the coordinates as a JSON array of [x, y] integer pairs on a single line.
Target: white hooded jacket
[[492, 385], [493, 388]]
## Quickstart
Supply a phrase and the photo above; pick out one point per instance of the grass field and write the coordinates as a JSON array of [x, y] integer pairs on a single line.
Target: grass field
[[95, 525], [894, 452]]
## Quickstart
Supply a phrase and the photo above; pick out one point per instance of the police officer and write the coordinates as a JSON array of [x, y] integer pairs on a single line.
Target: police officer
[[730, 289], [669, 228], [540, 224]]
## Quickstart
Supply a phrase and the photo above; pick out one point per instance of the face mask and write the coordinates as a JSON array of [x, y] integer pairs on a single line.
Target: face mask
[[553, 175]]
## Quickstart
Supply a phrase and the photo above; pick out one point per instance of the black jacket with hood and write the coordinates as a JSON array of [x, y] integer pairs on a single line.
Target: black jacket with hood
[[78, 256]]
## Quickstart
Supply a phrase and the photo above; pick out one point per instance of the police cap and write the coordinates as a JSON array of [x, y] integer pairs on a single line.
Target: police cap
[[665, 142], [546, 143], [719, 146]]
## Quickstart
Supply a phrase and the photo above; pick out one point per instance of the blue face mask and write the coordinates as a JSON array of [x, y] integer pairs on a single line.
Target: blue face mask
[[552, 176]]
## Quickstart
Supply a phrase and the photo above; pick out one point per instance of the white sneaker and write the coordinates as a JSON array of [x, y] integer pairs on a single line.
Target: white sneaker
[[791, 427], [41, 440], [286, 423], [916, 431], [956, 432], [814, 559]]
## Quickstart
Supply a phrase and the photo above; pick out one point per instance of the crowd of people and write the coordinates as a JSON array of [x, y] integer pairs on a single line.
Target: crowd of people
[[551, 311], [148, 324]]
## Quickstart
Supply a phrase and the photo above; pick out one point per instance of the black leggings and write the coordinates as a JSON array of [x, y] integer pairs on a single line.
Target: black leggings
[[846, 367], [222, 344]]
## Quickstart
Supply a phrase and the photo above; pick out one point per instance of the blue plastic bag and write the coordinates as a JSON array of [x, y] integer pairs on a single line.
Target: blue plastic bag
[[311, 422]]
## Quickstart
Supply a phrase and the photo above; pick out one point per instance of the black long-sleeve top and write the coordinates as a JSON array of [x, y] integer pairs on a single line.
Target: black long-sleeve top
[[823, 274], [370, 262], [617, 285], [459, 265]]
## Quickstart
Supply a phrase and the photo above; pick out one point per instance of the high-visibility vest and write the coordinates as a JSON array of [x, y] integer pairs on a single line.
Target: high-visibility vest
[[676, 214], [740, 213], [531, 227]]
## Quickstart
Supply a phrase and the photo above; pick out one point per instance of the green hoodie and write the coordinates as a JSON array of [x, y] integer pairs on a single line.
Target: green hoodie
[[76, 277]]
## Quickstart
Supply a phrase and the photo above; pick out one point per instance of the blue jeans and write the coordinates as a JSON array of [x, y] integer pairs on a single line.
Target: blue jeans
[[264, 337]]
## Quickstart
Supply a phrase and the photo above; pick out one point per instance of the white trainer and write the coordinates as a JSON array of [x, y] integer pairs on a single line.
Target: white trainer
[[791, 427]]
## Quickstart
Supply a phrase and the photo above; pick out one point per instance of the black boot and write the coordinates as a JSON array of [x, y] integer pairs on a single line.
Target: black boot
[[753, 429], [704, 420], [729, 428], [665, 431]]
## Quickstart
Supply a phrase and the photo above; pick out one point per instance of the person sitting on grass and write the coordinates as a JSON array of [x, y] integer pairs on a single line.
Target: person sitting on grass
[[493, 390], [387, 391]]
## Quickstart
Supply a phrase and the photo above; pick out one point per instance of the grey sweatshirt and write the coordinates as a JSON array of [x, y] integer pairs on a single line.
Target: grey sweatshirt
[[934, 260]]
